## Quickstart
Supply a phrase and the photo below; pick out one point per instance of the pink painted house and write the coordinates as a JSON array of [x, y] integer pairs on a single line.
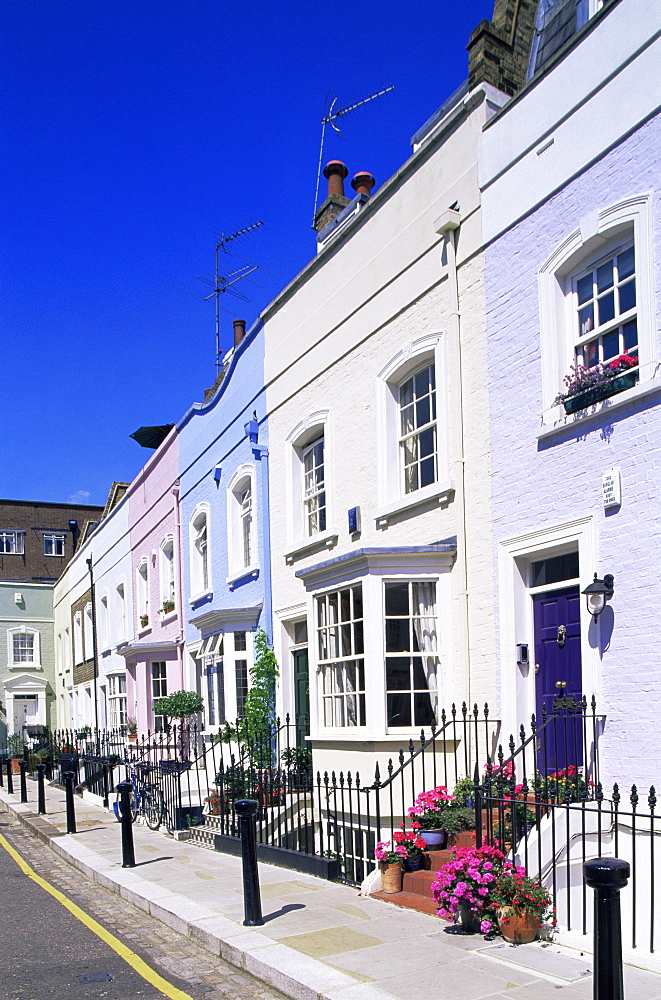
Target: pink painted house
[[154, 665]]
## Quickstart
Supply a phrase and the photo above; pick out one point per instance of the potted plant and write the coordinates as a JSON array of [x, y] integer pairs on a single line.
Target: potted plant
[[522, 904], [212, 802], [168, 606], [15, 749], [144, 621], [586, 386], [132, 729], [415, 846], [83, 732], [462, 888], [436, 813], [390, 857]]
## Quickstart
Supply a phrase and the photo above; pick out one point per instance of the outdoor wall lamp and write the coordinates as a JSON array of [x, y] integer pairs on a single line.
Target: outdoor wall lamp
[[597, 593]]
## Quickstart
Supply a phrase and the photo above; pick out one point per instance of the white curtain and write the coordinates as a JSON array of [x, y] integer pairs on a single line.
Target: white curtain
[[424, 626]]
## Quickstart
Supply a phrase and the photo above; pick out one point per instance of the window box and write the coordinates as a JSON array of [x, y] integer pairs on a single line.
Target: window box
[[588, 397]]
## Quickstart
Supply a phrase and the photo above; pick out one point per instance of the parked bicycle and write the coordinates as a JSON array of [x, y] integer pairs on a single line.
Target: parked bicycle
[[146, 799]]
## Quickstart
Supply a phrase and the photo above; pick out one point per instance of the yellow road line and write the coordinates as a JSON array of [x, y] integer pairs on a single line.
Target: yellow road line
[[117, 946]]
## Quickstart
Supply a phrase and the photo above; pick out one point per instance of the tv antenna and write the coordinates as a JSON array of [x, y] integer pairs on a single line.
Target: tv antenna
[[330, 118], [224, 282]]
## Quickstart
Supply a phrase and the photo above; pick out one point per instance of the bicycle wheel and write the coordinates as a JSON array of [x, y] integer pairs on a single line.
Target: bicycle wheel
[[152, 808], [117, 806]]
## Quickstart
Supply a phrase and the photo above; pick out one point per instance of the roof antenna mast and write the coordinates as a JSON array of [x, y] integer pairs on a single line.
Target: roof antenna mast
[[224, 282], [329, 119]]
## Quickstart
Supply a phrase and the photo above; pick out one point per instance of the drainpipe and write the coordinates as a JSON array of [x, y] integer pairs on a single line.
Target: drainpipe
[[95, 651], [447, 225], [178, 582]]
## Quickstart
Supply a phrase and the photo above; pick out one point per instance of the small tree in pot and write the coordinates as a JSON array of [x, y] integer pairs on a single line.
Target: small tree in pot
[[179, 705]]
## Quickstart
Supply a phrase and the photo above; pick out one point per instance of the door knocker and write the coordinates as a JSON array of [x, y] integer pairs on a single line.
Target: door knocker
[[562, 634]]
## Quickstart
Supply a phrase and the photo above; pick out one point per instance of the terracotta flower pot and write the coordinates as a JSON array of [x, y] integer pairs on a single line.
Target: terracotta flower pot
[[517, 926], [391, 878]]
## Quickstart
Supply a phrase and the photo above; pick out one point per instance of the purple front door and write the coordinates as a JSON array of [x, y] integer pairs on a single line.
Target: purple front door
[[557, 621]]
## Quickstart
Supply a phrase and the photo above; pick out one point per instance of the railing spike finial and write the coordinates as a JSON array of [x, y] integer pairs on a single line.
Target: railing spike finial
[[633, 796], [476, 712], [411, 747], [401, 758], [357, 782], [443, 716], [453, 711], [326, 778], [377, 775], [512, 744], [651, 798], [616, 792], [522, 734], [422, 736], [390, 767], [533, 724], [464, 708]]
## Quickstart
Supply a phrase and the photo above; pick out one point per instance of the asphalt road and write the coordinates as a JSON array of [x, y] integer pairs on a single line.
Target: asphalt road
[[45, 950]]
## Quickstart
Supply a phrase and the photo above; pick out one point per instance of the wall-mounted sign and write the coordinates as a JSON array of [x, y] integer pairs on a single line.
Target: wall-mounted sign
[[611, 487]]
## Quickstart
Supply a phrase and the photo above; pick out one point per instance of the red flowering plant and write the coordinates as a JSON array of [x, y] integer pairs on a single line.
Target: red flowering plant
[[582, 378], [470, 878], [404, 845], [514, 890], [438, 810]]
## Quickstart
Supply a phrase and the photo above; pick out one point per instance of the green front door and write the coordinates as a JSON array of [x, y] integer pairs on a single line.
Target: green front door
[[301, 696]]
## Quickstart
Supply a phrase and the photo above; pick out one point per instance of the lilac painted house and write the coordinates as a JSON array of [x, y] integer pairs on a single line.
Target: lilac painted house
[[570, 187], [154, 664]]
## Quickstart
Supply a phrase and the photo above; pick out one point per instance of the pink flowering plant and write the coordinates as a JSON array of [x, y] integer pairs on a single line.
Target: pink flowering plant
[[404, 845], [471, 877], [580, 379], [514, 890]]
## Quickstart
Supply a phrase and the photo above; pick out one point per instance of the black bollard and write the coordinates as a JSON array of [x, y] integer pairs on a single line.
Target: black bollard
[[607, 876], [23, 764], [10, 780], [69, 777], [246, 810], [41, 790], [2, 776], [106, 799], [128, 853]]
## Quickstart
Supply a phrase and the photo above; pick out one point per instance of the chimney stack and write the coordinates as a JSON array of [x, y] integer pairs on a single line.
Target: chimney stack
[[239, 331], [363, 182], [335, 171]]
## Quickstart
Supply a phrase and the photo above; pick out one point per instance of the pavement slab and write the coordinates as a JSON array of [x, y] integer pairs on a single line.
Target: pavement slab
[[320, 940]]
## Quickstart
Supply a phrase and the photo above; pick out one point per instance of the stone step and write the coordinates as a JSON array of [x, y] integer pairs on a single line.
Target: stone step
[[409, 900]]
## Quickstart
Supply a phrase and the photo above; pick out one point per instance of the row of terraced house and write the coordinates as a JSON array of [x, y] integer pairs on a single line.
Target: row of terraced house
[[382, 476]]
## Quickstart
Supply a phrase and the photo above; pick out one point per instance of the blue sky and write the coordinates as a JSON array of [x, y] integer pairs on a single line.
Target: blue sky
[[133, 131]]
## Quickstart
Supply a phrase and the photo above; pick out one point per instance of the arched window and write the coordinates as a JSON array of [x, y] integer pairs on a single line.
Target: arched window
[[142, 592], [243, 557], [596, 305], [199, 550], [167, 575], [412, 466]]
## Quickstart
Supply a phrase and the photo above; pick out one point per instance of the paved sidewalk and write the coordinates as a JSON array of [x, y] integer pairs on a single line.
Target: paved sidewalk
[[320, 940]]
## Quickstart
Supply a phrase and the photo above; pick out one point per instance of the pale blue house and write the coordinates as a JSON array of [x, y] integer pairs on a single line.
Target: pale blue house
[[224, 503]]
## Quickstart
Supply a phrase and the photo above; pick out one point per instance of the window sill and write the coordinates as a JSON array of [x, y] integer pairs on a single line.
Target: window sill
[[324, 540], [555, 420], [144, 631], [24, 666], [171, 615], [244, 574], [437, 492], [206, 595]]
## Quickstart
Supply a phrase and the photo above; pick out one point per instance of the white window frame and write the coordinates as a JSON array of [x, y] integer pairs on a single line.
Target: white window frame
[[413, 356], [167, 574], [162, 682], [88, 628], [199, 587], [431, 654], [117, 700], [330, 636], [315, 426], [53, 538], [120, 610], [104, 622], [35, 662], [245, 476], [12, 543], [78, 638], [629, 220], [142, 591]]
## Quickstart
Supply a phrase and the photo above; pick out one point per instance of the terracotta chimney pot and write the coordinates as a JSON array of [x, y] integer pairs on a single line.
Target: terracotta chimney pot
[[363, 182], [239, 331], [335, 171]]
